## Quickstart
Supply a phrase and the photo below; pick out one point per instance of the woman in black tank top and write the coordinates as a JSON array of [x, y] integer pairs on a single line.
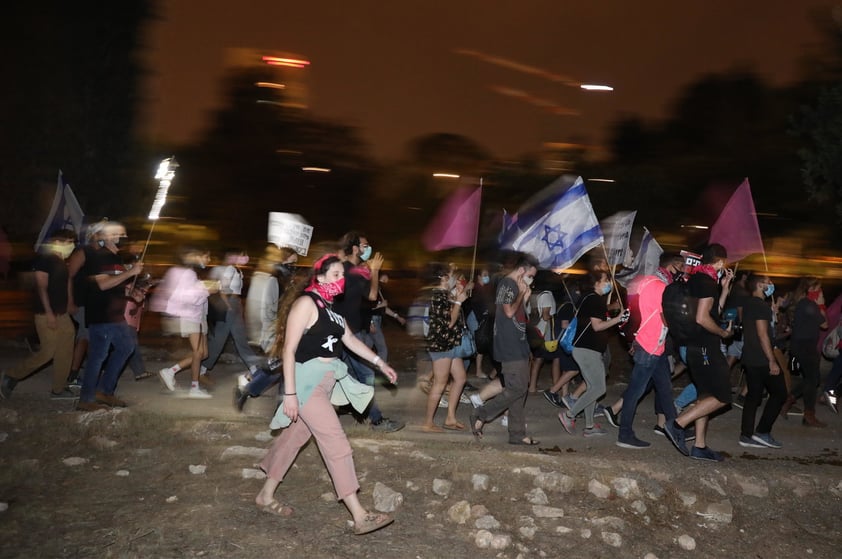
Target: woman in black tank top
[[311, 335]]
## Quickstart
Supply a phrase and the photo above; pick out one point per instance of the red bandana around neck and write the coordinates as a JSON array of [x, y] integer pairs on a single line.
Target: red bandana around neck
[[327, 291], [706, 269]]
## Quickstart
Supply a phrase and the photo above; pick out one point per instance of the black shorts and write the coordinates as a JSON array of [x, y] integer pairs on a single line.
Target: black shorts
[[711, 376]]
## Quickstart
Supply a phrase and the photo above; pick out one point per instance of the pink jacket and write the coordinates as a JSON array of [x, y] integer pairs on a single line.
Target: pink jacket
[[181, 294]]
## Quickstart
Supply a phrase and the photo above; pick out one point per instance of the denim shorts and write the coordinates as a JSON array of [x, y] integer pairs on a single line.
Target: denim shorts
[[436, 355]]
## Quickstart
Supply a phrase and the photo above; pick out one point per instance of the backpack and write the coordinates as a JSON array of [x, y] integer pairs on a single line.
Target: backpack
[[830, 346], [680, 312], [568, 337]]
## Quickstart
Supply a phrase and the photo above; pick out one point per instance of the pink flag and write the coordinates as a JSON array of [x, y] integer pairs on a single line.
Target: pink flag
[[736, 228], [457, 221]]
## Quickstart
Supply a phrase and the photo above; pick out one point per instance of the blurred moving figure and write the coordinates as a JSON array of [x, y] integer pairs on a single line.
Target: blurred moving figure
[[183, 299], [52, 322], [277, 265]]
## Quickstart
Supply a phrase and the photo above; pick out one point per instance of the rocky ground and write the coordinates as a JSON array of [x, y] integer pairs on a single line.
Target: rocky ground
[[172, 477]]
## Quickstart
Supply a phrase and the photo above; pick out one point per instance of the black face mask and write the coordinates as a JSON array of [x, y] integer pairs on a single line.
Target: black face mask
[[285, 269]]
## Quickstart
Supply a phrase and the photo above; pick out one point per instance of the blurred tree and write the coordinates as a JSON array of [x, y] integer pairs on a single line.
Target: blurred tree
[[251, 161], [71, 75]]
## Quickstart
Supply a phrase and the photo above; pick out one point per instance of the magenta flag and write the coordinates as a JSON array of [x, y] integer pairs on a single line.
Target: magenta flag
[[736, 227], [457, 221]]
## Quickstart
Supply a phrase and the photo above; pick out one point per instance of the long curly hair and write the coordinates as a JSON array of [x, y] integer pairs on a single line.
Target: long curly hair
[[293, 292]]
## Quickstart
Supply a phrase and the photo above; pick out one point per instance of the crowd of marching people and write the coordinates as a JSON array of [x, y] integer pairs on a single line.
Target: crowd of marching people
[[318, 335]]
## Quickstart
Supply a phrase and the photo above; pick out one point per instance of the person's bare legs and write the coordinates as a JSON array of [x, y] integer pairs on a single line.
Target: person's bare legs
[[457, 371], [537, 363], [441, 374]]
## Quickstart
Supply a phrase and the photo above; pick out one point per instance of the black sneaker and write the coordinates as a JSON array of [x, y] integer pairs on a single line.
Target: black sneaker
[[387, 425], [613, 418], [65, 394], [706, 453], [7, 384], [553, 398], [240, 397], [675, 434], [740, 401], [633, 442], [748, 442], [658, 430]]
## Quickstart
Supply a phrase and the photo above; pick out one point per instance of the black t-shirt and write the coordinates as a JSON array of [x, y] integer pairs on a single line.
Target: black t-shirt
[[102, 307], [350, 303], [57, 277], [324, 337], [702, 286], [591, 306], [807, 322], [755, 309], [81, 282]]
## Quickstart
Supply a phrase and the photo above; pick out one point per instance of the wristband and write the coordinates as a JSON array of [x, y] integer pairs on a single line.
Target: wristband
[[457, 303], [376, 360], [291, 394]]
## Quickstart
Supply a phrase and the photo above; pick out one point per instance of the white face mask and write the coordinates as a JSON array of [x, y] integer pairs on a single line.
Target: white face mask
[[528, 280]]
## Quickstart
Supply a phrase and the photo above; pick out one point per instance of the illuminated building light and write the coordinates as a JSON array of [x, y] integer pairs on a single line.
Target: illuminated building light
[[702, 227], [292, 62], [445, 176], [601, 180], [594, 87], [271, 85], [316, 169]]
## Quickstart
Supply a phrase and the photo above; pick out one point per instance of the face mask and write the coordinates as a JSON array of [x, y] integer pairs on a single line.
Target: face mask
[[100, 243], [528, 280], [677, 275], [285, 268], [606, 289], [719, 274], [118, 241], [366, 254], [328, 291], [813, 295], [63, 249], [451, 283], [769, 290], [485, 280]]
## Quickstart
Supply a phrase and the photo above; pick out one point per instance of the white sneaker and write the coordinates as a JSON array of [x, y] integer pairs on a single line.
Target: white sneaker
[[475, 400], [242, 381], [167, 377], [198, 392]]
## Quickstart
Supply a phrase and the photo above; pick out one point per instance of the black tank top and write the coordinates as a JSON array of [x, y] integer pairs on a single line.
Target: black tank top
[[324, 338]]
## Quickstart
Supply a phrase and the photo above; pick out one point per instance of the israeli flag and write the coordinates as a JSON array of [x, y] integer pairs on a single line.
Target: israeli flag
[[563, 234], [65, 213]]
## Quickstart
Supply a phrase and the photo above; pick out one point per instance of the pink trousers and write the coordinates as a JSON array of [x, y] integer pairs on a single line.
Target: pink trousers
[[318, 419]]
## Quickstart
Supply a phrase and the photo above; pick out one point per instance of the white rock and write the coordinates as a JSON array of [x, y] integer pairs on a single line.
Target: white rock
[[172, 499], [752, 486], [480, 482], [614, 522], [650, 555], [554, 481], [263, 436], [527, 532], [585, 533], [442, 487], [75, 461], [612, 538], [412, 486], [385, 498], [328, 497], [598, 489], [253, 451], [722, 511], [563, 530], [537, 496], [460, 512], [638, 506], [483, 539], [713, 484], [418, 455], [487, 522], [687, 499], [542, 511], [3, 437], [121, 473], [478, 510], [103, 443], [4, 507], [528, 470], [501, 541], [686, 542], [836, 489], [625, 488], [197, 469], [253, 473]]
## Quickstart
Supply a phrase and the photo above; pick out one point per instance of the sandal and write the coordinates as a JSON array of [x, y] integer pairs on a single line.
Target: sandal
[[372, 522], [454, 426], [526, 441], [277, 508], [477, 431]]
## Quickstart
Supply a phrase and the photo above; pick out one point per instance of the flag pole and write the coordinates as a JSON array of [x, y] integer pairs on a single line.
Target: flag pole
[[165, 175], [611, 275], [476, 234]]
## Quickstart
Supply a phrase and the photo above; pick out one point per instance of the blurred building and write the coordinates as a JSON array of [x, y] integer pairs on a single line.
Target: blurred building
[[286, 74]]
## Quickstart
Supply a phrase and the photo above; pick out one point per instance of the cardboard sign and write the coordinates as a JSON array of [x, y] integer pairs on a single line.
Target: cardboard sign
[[290, 230]]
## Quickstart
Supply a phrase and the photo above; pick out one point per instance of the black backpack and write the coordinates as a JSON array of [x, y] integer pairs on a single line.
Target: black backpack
[[680, 312]]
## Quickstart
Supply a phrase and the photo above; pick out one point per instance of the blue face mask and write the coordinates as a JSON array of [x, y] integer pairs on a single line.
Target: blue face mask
[[606, 289], [485, 280], [366, 254], [769, 290]]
